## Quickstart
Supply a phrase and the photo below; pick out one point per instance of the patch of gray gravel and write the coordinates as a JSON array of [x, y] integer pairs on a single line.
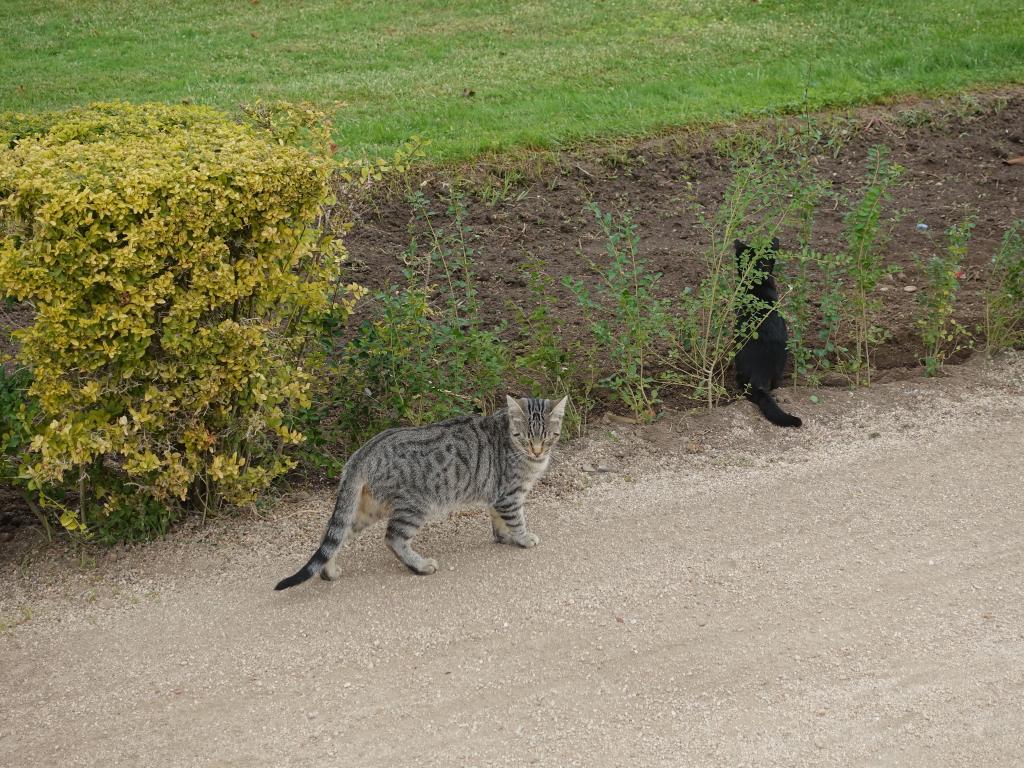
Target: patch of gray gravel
[[723, 593]]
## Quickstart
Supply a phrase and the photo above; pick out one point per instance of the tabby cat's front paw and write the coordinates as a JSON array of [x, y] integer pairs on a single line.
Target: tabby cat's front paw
[[426, 567], [526, 540]]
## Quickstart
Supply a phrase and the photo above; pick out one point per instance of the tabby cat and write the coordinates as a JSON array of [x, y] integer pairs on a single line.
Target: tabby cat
[[762, 358], [411, 473]]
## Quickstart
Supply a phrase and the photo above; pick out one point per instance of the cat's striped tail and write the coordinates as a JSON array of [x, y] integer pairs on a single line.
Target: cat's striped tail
[[338, 527]]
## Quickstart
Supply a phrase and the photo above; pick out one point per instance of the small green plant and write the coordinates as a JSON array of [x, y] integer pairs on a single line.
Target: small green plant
[[501, 185], [473, 350], [808, 299], [831, 348], [941, 334], [546, 363], [627, 319], [861, 267], [708, 330], [968, 107], [832, 305], [713, 322], [391, 373], [813, 311], [812, 303], [915, 117], [1004, 297], [424, 353]]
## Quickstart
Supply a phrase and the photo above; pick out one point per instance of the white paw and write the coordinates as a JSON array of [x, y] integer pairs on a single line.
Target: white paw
[[330, 572], [527, 540]]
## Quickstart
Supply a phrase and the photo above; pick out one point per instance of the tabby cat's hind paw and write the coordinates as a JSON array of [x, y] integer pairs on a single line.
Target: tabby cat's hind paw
[[502, 537], [330, 572]]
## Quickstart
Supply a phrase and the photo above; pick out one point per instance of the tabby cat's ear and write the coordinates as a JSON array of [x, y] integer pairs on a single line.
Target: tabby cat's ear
[[558, 411], [513, 406]]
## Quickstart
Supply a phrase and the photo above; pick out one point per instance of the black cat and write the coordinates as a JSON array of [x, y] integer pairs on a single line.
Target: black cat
[[760, 362]]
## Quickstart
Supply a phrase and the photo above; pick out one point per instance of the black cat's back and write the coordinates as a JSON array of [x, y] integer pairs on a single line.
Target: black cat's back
[[761, 360]]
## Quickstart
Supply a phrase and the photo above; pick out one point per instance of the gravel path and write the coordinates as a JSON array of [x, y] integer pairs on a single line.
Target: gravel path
[[729, 594]]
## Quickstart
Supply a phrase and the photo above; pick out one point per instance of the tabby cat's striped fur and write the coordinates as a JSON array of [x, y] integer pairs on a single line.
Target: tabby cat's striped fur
[[409, 474]]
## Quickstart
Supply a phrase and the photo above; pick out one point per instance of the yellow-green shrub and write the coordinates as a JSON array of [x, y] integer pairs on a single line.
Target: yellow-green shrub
[[173, 263]]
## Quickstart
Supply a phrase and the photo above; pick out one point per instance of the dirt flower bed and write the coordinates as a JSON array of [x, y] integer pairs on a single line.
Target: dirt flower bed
[[954, 153]]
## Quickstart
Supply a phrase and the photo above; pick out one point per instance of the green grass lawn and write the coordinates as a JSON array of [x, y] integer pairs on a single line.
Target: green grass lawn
[[542, 73]]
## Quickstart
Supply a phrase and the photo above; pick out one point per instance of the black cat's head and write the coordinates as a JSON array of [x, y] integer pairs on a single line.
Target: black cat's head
[[765, 260]]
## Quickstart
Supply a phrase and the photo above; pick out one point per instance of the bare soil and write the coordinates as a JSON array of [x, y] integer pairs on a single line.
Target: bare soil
[[727, 593]]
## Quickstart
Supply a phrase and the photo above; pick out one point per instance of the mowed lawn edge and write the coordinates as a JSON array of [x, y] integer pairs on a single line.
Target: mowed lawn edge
[[490, 76]]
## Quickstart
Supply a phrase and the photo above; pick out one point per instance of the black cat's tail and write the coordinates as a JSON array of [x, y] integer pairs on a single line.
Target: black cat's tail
[[771, 410]]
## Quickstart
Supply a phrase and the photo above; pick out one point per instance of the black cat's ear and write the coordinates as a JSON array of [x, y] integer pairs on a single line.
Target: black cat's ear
[[741, 251]]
